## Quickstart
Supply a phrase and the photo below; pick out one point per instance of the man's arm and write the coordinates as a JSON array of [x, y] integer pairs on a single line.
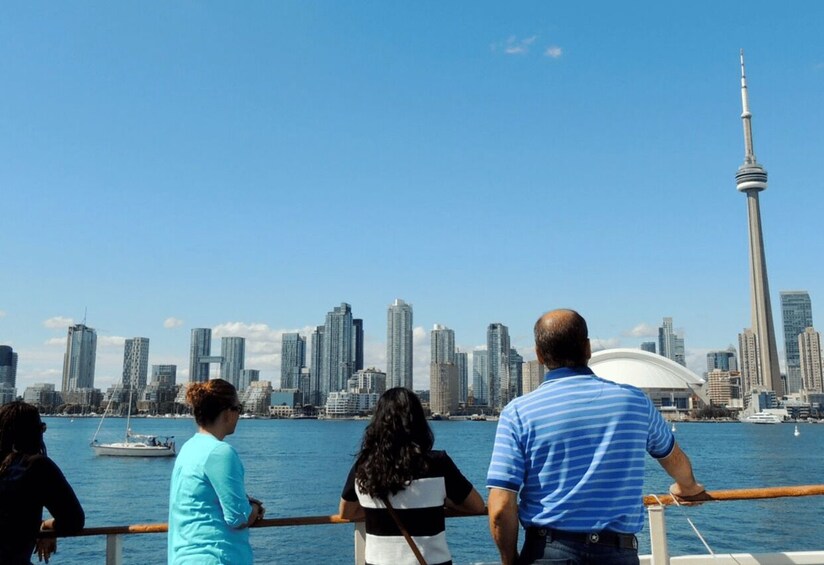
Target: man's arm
[[678, 466], [503, 523]]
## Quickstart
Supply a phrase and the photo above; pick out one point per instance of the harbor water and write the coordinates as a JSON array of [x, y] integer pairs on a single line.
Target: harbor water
[[297, 467]]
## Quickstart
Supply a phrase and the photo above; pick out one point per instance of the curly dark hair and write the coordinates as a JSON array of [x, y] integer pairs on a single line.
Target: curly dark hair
[[394, 445], [210, 398], [21, 433]]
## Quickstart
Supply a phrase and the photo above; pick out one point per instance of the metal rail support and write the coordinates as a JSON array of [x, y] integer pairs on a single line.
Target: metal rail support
[[360, 543], [114, 549], [658, 536]]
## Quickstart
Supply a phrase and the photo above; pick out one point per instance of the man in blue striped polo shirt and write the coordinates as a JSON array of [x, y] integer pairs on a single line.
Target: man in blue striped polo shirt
[[574, 449]]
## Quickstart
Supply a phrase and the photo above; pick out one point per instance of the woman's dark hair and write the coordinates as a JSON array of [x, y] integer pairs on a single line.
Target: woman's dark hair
[[209, 399], [394, 444], [21, 432]]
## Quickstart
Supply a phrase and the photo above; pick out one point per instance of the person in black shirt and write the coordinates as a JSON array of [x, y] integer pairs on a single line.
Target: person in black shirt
[[30, 481]]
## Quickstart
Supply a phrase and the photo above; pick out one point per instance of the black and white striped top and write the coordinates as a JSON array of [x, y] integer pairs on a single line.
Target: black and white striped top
[[420, 507]]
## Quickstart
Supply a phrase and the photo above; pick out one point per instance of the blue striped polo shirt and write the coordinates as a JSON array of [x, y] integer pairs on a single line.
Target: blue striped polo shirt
[[575, 449]]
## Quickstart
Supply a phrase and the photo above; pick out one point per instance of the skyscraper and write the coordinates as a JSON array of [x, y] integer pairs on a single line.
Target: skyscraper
[[648, 346], [461, 361], [201, 347], [722, 360], [750, 362], [164, 375], [533, 375], [399, 345], [316, 396], [357, 336], [292, 359], [751, 179], [442, 344], [497, 346], [136, 363], [338, 360], [247, 377], [79, 360], [809, 346], [480, 374], [8, 367], [516, 372], [797, 313], [670, 343], [443, 388], [233, 351]]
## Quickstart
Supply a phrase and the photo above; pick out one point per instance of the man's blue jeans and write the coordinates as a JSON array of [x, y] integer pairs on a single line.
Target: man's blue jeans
[[541, 551]]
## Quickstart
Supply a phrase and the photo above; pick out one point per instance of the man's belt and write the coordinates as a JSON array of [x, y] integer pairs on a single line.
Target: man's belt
[[614, 539]]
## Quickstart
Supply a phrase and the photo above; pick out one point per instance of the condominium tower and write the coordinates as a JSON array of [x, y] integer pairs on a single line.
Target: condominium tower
[[292, 359], [136, 363], [79, 360], [337, 363], [497, 347], [233, 352], [199, 350], [797, 314], [399, 345]]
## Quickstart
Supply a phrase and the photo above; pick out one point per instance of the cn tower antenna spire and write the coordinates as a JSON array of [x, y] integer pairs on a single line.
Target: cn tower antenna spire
[[746, 116]]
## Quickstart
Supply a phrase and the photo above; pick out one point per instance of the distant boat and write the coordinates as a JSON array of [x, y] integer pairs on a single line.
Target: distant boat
[[796, 433], [673, 427], [133, 445], [763, 418]]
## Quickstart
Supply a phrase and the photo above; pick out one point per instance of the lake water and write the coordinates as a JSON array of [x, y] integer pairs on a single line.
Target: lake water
[[297, 467]]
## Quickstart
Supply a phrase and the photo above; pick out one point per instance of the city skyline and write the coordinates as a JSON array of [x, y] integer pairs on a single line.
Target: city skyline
[[171, 150]]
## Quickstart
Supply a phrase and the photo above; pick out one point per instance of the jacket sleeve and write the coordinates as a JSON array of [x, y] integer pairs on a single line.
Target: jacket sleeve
[[225, 472], [60, 500]]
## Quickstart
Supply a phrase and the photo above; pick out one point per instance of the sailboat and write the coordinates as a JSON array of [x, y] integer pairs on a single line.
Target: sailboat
[[796, 433], [133, 445]]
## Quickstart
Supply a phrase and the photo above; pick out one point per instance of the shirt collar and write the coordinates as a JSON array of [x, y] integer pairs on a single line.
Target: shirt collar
[[562, 372]]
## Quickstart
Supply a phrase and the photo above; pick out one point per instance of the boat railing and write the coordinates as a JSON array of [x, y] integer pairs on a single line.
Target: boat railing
[[659, 552]]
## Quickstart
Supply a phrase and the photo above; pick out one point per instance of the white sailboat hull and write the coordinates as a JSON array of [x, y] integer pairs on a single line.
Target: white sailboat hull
[[133, 450]]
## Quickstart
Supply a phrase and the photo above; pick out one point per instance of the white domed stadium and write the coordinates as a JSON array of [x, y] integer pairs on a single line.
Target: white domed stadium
[[672, 387]]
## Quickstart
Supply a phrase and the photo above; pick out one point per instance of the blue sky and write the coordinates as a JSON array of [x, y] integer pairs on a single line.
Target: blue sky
[[247, 167]]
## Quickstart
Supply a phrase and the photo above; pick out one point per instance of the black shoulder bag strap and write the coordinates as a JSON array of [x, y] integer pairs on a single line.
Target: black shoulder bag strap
[[403, 530]]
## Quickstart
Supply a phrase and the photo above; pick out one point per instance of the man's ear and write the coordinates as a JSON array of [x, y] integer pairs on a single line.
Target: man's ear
[[589, 350], [538, 354]]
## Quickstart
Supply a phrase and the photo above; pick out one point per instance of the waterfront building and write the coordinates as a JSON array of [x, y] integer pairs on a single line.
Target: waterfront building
[[8, 374], [443, 388], [164, 375], [341, 404], [369, 380], [337, 359], [255, 399], [442, 345], [200, 351], [516, 362], [750, 363], [316, 396], [480, 373], [719, 388], [285, 397], [292, 359], [461, 361], [671, 343], [723, 360], [533, 375], [648, 346], [357, 336], [399, 345], [247, 377], [751, 179], [135, 363], [797, 315], [809, 348], [233, 352], [497, 347], [79, 360], [42, 395]]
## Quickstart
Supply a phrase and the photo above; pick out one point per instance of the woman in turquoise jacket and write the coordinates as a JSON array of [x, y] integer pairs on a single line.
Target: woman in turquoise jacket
[[209, 510]]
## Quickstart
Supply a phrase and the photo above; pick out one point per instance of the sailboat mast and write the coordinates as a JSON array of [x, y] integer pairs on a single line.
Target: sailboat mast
[[129, 415]]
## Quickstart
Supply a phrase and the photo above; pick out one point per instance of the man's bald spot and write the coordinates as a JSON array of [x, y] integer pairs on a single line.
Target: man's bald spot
[[562, 339]]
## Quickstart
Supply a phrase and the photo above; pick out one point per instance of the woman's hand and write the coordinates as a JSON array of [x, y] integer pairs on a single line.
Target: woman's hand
[[258, 511], [44, 547]]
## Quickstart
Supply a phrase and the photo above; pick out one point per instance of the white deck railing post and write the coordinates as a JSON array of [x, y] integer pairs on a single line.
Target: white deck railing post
[[658, 536], [360, 543], [114, 549]]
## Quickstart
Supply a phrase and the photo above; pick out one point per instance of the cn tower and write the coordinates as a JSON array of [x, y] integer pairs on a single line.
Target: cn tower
[[751, 179]]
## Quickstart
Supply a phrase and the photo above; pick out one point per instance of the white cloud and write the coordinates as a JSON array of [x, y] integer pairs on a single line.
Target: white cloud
[[61, 341], [554, 52], [263, 344], [515, 46], [110, 341], [642, 330], [58, 322], [171, 323], [599, 344]]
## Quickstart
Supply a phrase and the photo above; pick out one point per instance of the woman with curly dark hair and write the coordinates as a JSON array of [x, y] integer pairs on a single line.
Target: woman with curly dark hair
[[399, 483], [30, 481]]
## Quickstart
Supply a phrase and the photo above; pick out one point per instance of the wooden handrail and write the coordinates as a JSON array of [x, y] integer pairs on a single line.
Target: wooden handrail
[[650, 500]]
